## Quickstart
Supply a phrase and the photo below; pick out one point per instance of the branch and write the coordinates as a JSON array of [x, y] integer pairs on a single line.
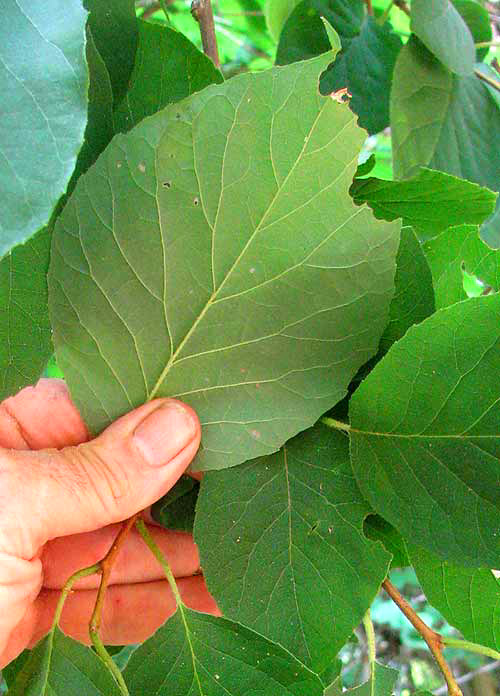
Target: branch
[[338, 425], [105, 567], [492, 666], [202, 12], [433, 639], [403, 6], [369, 7], [490, 80]]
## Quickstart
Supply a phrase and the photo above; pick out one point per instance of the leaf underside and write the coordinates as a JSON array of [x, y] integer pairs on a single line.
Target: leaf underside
[[228, 268]]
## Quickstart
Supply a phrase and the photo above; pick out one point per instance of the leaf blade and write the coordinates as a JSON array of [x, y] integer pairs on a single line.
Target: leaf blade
[[235, 268], [441, 451], [297, 514]]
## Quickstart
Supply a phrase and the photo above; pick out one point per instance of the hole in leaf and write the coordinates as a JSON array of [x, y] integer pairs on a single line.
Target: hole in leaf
[[196, 201], [472, 285], [167, 184]]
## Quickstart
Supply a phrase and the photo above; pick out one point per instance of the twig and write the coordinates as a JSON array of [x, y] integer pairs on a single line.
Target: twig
[[369, 7], [433, 639], [490, 80], [370, 639], [491, 667], [338, 425], [450, 642], [105, 567], [202, 12], [403, 6]]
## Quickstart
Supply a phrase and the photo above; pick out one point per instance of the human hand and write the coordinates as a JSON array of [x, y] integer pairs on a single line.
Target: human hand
[[62, 498]]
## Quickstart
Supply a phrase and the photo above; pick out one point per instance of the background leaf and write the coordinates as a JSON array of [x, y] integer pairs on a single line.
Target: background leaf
[[159, 303], [60, 666], [440, 27], [477, 19], [454, 251], [168, 68], [277, 12], [381, 683], [176, 509], [25, 334], [195, 653], [468, 598], [282, 547], [444, 122], [378, 529], [364, 65], [43, 86], [114, 29], [430, 201], [424, 438], [413, 299]]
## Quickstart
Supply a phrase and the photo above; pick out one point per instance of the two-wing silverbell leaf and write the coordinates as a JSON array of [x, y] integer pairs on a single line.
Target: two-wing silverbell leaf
[[194, 654], [43, 110], [60, 666], [282, 546], [213, 254], [468, 598], [425, 435]]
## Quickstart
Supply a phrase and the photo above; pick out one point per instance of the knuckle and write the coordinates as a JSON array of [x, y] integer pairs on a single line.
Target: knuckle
[[99, 474]]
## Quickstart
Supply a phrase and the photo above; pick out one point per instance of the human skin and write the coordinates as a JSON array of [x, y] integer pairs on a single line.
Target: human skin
[[62, 499]]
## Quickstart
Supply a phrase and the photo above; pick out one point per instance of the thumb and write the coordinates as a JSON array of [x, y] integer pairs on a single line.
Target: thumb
[[53, 493]]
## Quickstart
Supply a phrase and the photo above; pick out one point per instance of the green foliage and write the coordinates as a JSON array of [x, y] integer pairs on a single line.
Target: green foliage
[[433, 19], [25, 344], [43, 104], [365, 64], [299, 514], [416, 450], [237, 201], [168, 68], [445, 122], [197, 654], [453, 253], [469, 598], [209, 243]]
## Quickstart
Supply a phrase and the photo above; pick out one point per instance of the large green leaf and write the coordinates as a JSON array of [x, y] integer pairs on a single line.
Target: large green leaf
[[195, 654], [25, 336], [282, 546], [413, 299], [59, 666], [365, 64], [44, 110], [114, 28], [425, 441], [454, 251], [214, 254], [439, 26], [445, 122], [168, 67], [430, 201], [468, 598]]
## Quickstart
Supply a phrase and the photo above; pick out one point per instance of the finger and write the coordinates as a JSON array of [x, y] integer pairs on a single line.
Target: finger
[[135, 563], [78, 489], [131, 613], [41, 416]]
